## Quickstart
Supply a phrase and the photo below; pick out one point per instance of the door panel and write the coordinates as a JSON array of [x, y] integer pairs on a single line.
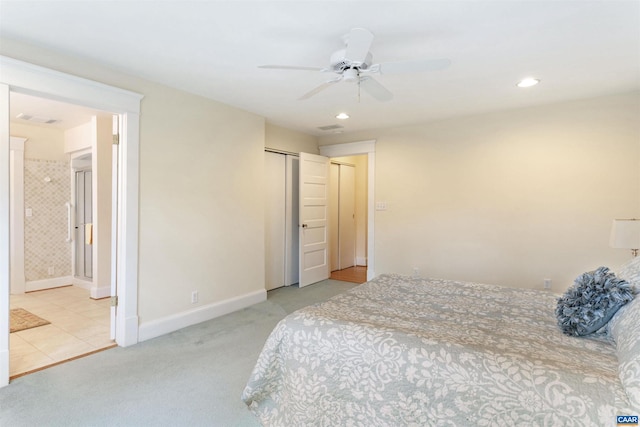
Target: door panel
[[292, 274], [274, 225], [334, 193], [314, 194], [347, 222], [84, 225]]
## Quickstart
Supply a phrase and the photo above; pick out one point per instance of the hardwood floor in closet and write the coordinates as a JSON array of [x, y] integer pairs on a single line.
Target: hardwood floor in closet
[[357, 274]]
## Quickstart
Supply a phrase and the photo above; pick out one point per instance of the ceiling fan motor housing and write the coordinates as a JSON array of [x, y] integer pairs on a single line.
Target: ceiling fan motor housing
[[339, 62]]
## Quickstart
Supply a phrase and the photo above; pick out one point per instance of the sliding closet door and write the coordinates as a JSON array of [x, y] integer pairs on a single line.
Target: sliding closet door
[[342, 219], [334, 217], [275, 224], [281, 220], [292, 231]]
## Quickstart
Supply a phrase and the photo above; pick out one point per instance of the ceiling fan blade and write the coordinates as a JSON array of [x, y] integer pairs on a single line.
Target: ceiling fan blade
[[290, 67], [375, 89], [414, 66], [319, 89], [358, 45]]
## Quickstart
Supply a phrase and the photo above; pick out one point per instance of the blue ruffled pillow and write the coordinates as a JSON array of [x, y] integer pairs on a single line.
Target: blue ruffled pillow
[[592, 300]]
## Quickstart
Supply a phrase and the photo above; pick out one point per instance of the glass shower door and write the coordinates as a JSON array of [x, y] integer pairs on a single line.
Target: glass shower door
[[84, 225]]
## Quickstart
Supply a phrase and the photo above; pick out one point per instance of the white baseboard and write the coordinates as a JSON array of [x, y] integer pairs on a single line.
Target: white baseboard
[[362, 261], [84, 284], [370, 274], [102, 292], [55, 282], [4, 368], [127, 331], [168, 324], [96, 292]]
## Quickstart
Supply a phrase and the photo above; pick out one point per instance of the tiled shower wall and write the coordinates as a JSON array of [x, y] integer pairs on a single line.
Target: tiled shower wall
[[45, 232]]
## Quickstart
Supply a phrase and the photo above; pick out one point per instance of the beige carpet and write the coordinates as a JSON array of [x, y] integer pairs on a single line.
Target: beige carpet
[[21, 319]]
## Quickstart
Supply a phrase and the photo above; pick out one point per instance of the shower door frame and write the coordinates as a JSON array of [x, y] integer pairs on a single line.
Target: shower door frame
[[80, 251]]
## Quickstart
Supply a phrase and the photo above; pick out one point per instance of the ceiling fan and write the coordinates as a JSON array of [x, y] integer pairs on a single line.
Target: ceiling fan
[[354, 64]]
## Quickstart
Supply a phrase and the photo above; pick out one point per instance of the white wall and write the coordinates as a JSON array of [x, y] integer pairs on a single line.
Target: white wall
[[509, 197], [79, 137]]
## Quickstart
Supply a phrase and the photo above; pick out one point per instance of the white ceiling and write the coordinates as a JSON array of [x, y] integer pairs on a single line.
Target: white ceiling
[[578, 49]]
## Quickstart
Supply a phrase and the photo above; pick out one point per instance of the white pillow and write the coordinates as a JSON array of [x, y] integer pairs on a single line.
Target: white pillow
[[630, 271], [624, 328]]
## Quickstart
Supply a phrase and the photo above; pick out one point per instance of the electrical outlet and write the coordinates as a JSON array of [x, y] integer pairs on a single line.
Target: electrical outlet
[[547, 283], [51, 270], [194, 297]]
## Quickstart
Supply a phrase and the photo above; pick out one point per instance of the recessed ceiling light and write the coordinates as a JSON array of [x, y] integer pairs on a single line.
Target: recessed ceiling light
[[342, 116], [528, 82]]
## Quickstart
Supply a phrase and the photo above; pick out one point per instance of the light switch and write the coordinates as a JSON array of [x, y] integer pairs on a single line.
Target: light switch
[[28, 212], [381, 206]]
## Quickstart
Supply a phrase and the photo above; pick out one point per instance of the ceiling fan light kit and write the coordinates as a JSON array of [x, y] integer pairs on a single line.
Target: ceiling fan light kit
[[354, 64]]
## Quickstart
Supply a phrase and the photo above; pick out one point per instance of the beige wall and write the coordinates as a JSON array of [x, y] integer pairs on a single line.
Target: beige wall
[[43, 143], [283, 139], [102, 146], [201, 208], [511, 197], [79, 137]]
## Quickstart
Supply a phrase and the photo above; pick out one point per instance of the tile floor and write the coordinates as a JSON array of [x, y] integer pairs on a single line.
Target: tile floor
[[79, 325]]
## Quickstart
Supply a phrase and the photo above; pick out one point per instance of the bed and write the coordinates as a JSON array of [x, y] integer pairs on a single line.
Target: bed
[[399, 350]]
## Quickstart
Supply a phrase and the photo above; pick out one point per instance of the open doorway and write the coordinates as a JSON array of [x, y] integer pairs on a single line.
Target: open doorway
[[367, 149], [25, 78], [360, 267], [59, 302], [348, 218]]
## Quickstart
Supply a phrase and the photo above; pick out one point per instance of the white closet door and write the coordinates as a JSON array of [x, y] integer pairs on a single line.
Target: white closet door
[[334, 216], [274, 225], [347, 221], [292, 223], [314, 239]]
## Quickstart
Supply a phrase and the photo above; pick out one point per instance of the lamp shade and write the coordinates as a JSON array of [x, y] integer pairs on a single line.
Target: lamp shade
[[625, 233]]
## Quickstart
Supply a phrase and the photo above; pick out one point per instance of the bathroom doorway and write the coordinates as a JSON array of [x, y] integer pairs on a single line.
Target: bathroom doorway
[[25, 78], [64, 283]]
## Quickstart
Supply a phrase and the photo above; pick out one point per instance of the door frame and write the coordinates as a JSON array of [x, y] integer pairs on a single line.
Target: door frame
[[337, 199], [22, 77], [353, 149]]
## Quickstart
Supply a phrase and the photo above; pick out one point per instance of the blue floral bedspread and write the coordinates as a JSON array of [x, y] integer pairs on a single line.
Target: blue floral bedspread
[[400, 351]]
